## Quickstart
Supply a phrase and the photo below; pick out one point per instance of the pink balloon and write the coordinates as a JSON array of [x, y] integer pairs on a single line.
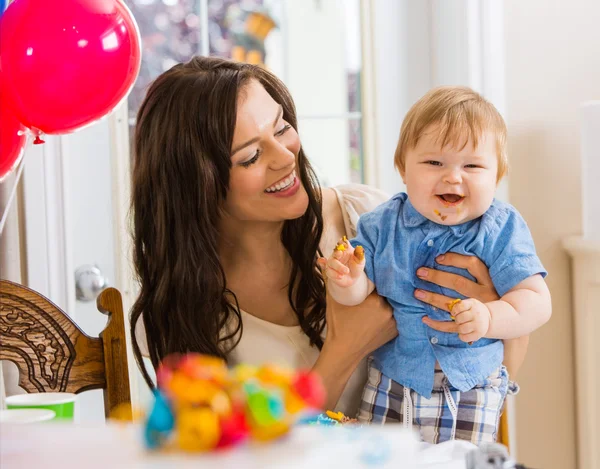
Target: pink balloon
[[67, 63], [12, 139]]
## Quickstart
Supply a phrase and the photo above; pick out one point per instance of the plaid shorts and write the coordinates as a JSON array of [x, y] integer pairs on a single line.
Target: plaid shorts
[[449, 414]]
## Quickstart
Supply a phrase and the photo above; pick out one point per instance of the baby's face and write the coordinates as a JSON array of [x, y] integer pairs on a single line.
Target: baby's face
[[449, 185]]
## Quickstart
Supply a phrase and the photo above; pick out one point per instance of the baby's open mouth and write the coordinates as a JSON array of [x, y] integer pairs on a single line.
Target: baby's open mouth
[[450, 199]]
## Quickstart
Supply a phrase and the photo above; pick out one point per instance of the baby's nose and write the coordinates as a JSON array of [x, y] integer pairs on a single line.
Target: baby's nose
[[453, 177]]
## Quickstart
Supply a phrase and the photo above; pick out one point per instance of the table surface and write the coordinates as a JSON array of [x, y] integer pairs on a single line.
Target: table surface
[[120, 445]]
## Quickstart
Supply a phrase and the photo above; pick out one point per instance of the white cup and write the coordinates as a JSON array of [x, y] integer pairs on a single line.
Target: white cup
[[62, 403], [26, 415]]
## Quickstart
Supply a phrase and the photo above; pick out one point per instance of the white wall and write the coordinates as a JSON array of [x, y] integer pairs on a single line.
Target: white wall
[[315, 73], [553, 64], [422, 44]]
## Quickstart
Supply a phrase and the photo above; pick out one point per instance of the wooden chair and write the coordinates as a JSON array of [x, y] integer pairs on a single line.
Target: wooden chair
[[503, 429], [54, 355]]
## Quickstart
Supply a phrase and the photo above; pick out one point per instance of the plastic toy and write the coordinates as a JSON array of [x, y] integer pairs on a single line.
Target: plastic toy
[[201, 405]]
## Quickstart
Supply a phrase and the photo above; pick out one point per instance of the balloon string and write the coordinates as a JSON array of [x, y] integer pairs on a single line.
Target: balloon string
[[12, 196]]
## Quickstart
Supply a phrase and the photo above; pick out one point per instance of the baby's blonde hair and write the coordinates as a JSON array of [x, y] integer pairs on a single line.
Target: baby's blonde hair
[[460, 115]]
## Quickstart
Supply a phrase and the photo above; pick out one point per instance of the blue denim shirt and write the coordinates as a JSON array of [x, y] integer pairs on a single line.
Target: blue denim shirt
[[397, 240]]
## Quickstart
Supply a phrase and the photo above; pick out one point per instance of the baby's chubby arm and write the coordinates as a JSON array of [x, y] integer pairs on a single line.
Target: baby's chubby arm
[[525, 308], [348, 284]]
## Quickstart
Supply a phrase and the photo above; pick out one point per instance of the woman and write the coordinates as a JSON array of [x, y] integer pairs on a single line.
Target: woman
[[229, 222]]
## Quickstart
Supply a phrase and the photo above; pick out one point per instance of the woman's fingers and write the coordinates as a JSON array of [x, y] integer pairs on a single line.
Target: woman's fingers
[[442, 326], [465, 331], [472, 264], [449, 280], [483, 288], [458, 283], [434, 299]]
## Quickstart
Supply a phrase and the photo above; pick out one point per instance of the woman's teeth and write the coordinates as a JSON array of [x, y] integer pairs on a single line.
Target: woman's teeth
[[283, 185]]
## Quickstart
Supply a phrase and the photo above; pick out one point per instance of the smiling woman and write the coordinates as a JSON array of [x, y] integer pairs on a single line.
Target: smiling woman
[[212, 188], [262, 184]]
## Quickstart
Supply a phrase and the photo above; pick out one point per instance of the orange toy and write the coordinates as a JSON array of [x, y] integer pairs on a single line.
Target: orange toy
[[202, 405]]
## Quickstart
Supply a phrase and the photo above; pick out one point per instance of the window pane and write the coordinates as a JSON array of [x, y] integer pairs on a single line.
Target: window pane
[[236, 29], [353, 52], [322, 68], [325, 144], [356, 151], [323, 71], [170, 31]]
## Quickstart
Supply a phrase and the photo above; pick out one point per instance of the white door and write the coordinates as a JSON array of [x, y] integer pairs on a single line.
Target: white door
[[75, 195]]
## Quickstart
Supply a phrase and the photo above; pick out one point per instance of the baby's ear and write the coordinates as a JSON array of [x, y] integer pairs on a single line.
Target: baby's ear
[[401, 169], [402, 174]]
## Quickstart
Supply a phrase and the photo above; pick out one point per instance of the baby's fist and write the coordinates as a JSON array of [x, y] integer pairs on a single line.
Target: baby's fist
[[473, 318]]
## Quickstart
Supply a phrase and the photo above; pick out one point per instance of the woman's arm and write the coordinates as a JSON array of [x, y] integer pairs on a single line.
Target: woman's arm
[[482, 289], [353, 332]]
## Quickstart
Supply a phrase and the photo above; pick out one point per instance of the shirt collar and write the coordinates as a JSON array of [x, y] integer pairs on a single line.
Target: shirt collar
[[410, 216]]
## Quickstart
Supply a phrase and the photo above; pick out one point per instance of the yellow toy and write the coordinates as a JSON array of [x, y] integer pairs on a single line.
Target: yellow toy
[[208, 406], [451, 305]]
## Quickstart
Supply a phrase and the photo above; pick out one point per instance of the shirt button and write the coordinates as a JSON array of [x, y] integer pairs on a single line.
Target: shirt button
[[430, 243], [434, 340]]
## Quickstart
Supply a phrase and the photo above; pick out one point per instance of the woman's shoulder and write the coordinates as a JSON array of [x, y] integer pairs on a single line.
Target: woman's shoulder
[[354, 200], [360, 197]]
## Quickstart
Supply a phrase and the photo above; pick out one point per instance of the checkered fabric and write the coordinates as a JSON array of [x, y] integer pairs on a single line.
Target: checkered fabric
[[449, 414]]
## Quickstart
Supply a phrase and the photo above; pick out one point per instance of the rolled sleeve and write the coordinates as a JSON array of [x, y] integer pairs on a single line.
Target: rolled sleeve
[[515, 272], [513, 256]]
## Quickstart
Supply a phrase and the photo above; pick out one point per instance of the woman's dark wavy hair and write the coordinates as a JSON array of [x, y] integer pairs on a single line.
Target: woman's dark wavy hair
[[182, 148]]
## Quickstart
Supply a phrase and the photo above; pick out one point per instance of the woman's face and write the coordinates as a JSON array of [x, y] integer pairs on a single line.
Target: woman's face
[[264, 183]]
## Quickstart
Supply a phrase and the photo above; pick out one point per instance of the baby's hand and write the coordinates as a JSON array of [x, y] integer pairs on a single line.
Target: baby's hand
[[346, 264], [473, 318]]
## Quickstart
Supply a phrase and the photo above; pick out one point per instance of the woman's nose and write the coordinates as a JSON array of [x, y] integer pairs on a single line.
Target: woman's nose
[[281, 156]]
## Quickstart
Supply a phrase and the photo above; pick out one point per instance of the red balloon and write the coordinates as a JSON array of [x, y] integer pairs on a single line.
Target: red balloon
[[67, 63], [12, 139]]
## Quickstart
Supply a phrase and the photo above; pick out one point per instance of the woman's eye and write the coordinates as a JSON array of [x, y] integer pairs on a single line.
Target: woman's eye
[[434, 163], [252, 160], [283, 130]]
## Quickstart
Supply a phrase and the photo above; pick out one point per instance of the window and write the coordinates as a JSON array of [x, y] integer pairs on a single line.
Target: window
[[322, 67]]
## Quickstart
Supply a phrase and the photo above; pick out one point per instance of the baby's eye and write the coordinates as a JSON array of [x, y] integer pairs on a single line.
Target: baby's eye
[[472, 166], [434, 163]]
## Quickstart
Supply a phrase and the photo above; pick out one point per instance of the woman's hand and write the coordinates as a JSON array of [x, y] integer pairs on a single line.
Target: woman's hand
[[481, 289], [353, 332]]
